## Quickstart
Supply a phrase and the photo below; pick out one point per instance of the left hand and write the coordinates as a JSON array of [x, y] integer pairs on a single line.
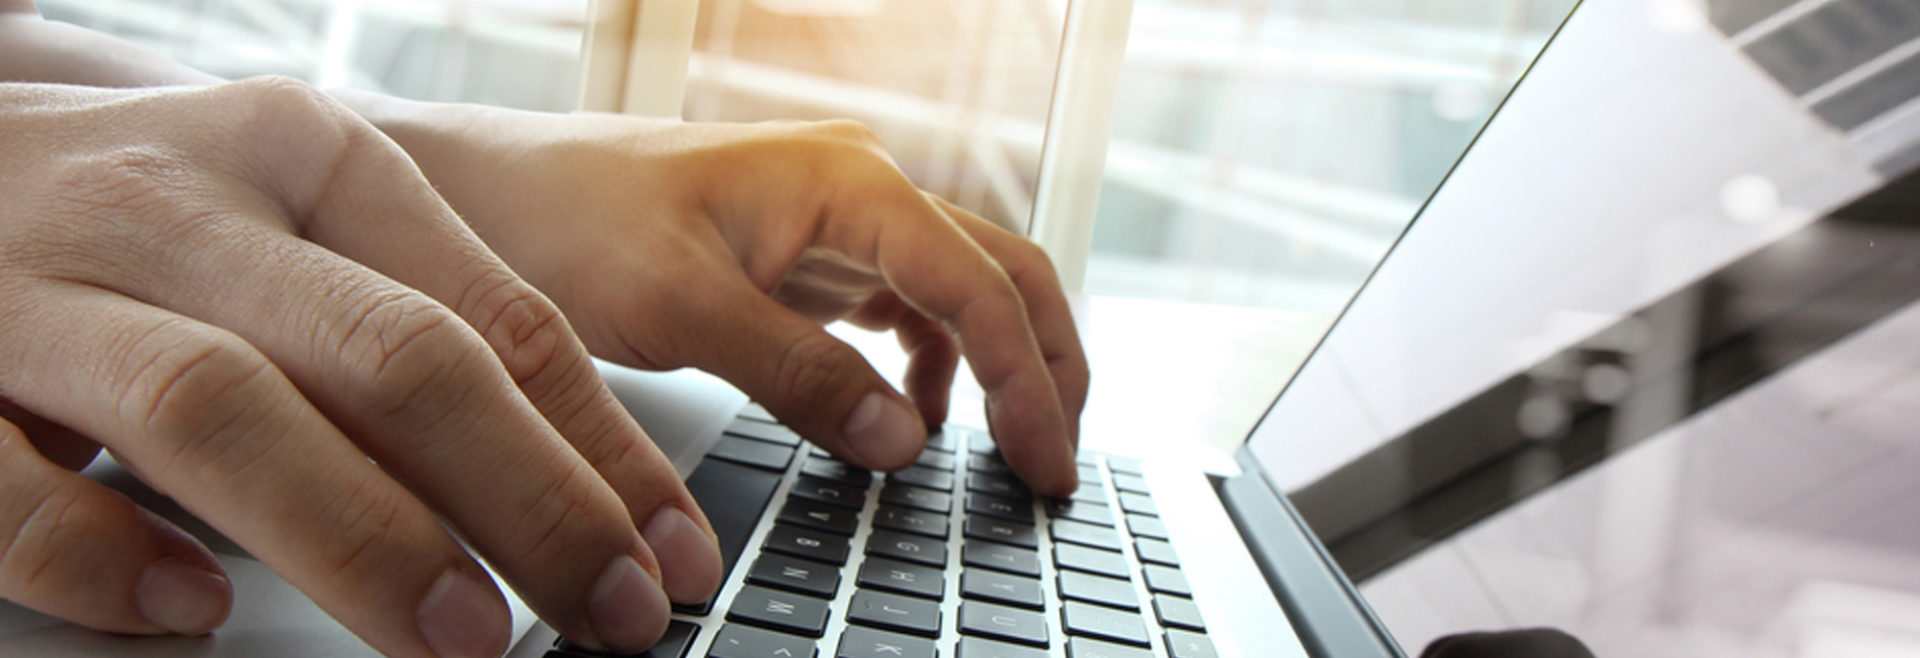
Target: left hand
[[727, 246]]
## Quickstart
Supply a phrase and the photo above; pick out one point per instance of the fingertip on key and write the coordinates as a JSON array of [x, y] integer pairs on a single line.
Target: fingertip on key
[[885, 432], [628, 609], [689, 558], [461, 618]]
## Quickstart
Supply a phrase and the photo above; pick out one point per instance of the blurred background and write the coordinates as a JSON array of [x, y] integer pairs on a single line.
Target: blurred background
[[1265, 152]]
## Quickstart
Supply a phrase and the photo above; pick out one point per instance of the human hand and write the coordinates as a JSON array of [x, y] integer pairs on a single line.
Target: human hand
[[726, 246], [256, 302]]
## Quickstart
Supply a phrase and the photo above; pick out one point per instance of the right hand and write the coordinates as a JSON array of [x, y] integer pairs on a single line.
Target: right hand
[[254, 300]]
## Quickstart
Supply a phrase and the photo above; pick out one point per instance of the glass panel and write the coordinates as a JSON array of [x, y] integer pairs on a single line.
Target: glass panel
[[1266, 152], [1645, 368], [957, 90], [523, 54]]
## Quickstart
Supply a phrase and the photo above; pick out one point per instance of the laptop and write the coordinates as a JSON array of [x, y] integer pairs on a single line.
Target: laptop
[[953, 558]]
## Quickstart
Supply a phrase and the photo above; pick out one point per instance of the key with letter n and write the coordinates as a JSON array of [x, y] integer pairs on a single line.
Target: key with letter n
[[795, 574]]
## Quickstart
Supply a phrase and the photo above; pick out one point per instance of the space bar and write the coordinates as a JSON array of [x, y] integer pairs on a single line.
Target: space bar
[[733, 496]]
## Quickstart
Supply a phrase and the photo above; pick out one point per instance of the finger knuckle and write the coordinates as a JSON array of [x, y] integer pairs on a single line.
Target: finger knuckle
[[405, 350], [850, 130], [524, 328], [292, 136], [808, 369], [358, 530], [551, 521], [279, 101], [53, 528], [196, 392], [1030, 259]]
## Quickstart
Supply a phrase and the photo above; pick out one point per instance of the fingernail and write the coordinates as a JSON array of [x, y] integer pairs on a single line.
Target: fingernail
[[460, 618], [183, 599], [627, 609], [689, 562], [883, 431]]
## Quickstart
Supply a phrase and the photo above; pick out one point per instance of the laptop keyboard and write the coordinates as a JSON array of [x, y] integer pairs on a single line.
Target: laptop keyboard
[[952, 557]]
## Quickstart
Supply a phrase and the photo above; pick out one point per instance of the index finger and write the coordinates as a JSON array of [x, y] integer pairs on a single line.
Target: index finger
[[1032, 272], [935, 267]]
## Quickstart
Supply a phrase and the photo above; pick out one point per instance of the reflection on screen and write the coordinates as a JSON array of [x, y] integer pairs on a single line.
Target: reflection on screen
[[1663, 317]]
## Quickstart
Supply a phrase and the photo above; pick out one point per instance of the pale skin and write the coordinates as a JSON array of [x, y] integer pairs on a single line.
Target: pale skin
[[343, 328]]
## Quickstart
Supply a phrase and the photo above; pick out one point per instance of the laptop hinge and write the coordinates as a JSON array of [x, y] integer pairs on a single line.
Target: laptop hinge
[[1327, 611]]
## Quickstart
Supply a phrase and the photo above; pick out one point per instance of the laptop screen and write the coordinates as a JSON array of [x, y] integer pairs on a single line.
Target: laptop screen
[[1648, 156]]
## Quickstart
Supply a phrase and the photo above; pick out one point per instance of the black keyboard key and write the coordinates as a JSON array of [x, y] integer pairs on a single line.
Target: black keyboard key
[[836, 470], [1104, 623], [821, 516], [1091, 560], [1085, 534], [981, 443], [903, 578], [672, 644], [989, 585], [894, 612], [1080, 511], [908, 520], [1086, 647], [733, 496], [859, 642], [1135, 503], [1004, 486], [1011, 559], [1006, 508], [979, 647], [1187, 644], [936, 460], [738, 641], [781, 611], [1133, 483], [1146, 526], [816, 545], [1156, 551], [831, 493], [775, 570], [989, 464], [1124, 465], [1178, 612], [763, 431], [920, 476], [1112, 592], [1004, 623], [945, 440], [915, 497], [912, 548], [1002, 530], [1167, 580], [758, 454]]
